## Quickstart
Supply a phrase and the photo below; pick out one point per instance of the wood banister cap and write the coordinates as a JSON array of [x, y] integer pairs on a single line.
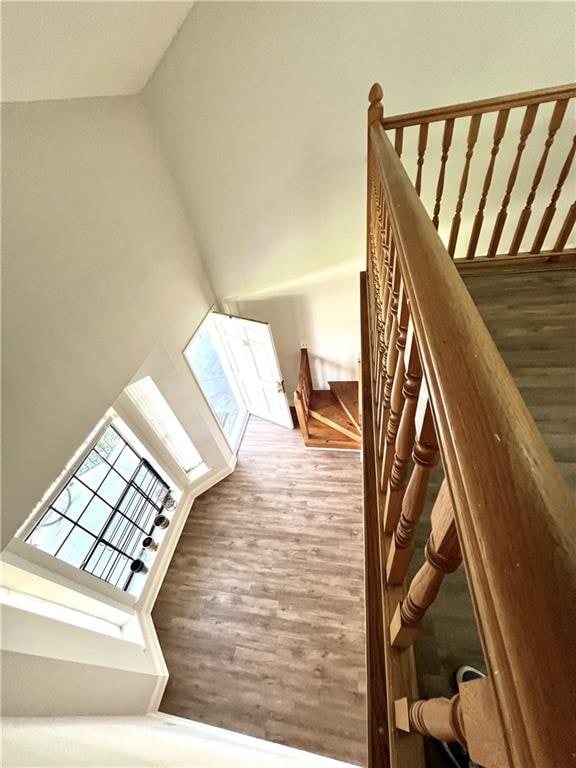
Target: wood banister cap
[[376, 94], [375, 110]]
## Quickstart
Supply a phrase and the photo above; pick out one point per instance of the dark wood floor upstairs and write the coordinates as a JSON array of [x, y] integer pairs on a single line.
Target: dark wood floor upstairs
[[532, 319]]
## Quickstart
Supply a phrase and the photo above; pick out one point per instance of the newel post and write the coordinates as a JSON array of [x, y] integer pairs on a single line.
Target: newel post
[[375, 110]]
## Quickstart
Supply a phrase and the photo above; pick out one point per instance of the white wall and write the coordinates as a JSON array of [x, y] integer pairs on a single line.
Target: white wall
[[260, 108], [161, 741], [99, 265]]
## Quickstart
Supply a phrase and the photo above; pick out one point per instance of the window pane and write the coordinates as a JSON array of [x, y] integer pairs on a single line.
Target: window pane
[[95, 516], [100, 560], [76, 547], [93, 470], [126, 463], [162, 418], [73, 499], [112, 488], [123, 534], [207, 359], [50, 532], [109, 565], [110, 445]]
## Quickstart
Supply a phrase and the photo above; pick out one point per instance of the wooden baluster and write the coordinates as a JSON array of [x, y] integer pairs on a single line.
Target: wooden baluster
[[551, 209], [384, 287], [499, 130], [425, 457], [564, 233], [381, 262], [471, 718], [442, 556], [555, 123], [472, 138], [406, 431], [391, 337], [388, 293], [446, 142], [398, 140], [422, 141], [440, 718], [397, 393], [525, 130]]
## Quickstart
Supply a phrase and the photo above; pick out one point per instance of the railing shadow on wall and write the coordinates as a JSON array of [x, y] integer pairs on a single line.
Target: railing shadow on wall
[[435, 386]]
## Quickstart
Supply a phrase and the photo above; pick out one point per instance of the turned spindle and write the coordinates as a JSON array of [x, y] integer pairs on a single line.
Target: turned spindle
[[422, 141], [471, 142], [446, 142], [553, 127], [398, 141], [566, 229], [425, 457], [550, 211], [440, 718], [497, 137], [391, 333], [406, 432], [393, 386], [442, 556], [525, 130]]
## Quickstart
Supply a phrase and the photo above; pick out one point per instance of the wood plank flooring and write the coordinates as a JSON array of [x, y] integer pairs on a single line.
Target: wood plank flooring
[[261, 616], [261, 613]]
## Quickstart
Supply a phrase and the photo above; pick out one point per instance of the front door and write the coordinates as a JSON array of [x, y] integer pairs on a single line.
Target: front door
[[251, 352]]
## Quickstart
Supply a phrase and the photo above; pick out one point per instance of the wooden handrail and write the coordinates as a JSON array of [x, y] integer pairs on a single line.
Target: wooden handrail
[[514, 515], [480, 106]]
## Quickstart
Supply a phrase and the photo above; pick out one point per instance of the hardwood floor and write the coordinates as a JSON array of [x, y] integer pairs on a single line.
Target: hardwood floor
[[260, 616], [261, 613]]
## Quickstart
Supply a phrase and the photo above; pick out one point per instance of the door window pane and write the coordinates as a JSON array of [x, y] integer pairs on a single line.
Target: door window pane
[[206, 357]]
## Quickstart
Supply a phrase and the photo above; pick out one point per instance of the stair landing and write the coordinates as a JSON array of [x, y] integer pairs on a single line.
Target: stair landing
[[346, 392], [324, 407]]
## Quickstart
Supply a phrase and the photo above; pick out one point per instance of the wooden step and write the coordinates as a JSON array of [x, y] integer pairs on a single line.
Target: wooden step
[[346, 392], [325, 408], [323, 436]]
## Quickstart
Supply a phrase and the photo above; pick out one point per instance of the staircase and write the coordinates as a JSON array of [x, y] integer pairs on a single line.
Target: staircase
[[437, 393], [328, 418]]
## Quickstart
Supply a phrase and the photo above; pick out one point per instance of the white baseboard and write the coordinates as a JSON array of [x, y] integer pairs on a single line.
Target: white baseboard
[[265, 748], [156, 578]]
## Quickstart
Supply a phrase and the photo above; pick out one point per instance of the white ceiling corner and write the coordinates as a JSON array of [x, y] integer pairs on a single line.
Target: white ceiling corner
[[74, 49]]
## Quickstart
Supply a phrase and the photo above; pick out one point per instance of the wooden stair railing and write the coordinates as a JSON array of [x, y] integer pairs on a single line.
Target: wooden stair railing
[[328, 418], [434, 384], [533, 122]]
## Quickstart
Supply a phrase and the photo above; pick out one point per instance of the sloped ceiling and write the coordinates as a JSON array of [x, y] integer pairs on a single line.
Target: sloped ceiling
[[64, 50]]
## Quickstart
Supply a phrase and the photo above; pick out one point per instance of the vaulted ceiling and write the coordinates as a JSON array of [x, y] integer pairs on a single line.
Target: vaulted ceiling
[[63, 50]]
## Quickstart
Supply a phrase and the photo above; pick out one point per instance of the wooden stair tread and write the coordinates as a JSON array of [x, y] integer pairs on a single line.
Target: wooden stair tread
[[325, 408], [323, 436], [346, 392]]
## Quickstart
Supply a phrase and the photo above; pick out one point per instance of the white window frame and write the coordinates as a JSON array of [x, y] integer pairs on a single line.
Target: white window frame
[[86, 582]]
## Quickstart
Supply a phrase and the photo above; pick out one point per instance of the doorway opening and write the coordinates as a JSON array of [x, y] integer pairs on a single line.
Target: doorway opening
[[234, 361]]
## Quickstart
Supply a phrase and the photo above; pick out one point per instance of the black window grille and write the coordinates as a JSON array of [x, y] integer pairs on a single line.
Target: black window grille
[[100, 518]]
